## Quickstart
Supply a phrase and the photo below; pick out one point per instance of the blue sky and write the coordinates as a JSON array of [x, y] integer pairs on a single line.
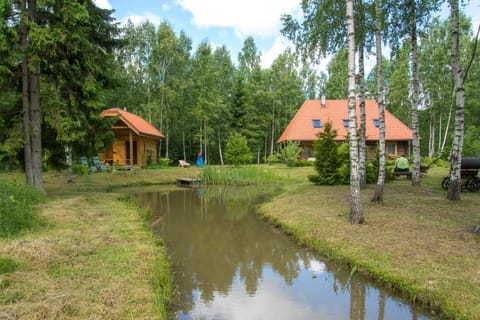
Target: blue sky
[[228, 22]]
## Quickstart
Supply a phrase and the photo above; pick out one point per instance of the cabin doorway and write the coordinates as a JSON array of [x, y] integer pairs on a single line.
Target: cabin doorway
[[132, 157]]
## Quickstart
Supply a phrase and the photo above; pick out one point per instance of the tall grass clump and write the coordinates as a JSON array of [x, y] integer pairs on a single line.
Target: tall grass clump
[[248, 175], [17, 208]]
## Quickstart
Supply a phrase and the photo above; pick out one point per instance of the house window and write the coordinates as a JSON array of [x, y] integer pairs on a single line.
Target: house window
[[317, 123], [390, 148], [376, 122], [345, 123]]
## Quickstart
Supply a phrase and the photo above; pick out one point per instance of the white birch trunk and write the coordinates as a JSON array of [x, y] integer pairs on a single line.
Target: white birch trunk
[[378, 196], [454, 189], [356, 215], [415, 88]]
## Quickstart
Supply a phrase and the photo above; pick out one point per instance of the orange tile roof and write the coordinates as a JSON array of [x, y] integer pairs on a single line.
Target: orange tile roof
[[139, 125], [301, 127]]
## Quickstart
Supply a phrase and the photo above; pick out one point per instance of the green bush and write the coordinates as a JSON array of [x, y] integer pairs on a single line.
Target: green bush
[[273, 159], [17, 208], [79, 169], [164, 162], [237, 151], [289, 153]]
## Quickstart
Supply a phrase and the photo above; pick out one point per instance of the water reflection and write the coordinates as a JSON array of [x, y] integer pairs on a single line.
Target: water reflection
[[231, 265]]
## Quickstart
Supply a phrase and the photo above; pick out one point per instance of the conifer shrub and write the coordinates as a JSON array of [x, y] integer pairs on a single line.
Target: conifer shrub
[[328, 162], [237, 151]]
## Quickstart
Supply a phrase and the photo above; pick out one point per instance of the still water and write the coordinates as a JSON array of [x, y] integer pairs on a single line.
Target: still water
[[229, 264]]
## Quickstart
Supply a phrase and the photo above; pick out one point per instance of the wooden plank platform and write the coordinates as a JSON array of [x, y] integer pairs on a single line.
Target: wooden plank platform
[[188, 180]]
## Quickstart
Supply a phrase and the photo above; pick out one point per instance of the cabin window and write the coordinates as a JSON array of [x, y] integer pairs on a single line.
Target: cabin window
[[317, 123], [345, 123], [376, 122], [391, 148]]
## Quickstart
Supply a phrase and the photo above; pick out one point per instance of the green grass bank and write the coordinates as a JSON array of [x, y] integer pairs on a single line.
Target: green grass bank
[[417, 241]]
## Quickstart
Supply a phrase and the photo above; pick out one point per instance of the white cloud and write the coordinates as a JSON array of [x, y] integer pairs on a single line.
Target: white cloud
[[104, 4], [279, 47], [139, 19], [247, 17]]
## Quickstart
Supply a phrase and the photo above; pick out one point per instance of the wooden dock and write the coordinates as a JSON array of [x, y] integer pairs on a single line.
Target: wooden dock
[[188, 181]]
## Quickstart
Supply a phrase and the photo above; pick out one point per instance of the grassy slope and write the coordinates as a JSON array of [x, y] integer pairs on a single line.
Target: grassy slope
[[96, 260], [417, 241]]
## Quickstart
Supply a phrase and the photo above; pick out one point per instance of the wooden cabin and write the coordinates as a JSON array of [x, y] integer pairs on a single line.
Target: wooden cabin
[[136, 140], [313, 114]]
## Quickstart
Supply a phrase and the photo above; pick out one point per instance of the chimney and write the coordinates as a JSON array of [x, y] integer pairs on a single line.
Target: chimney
[[324, 102]]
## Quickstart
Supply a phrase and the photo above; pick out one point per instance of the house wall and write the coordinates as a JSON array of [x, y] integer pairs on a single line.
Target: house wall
[[118, 153], [399, 147]]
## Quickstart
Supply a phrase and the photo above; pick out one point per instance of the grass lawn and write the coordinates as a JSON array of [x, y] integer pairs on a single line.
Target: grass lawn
[[97, 258]]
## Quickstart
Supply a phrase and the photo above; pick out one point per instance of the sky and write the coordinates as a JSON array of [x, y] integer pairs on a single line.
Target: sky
[[229, 22]]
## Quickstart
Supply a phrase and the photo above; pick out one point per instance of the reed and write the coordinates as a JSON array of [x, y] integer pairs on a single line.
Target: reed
[[249, 175]]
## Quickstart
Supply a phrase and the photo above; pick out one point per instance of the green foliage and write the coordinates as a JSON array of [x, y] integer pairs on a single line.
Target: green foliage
[[289, 153], [237, 151], [471, 147], [273, 159], [337, 83], [17, 211], [246, 175], [164, 162], [8, 265], [79, 169], [327, 159]]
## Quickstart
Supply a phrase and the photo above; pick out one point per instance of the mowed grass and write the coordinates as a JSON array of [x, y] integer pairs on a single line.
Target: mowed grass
[[94, 259], [417, 241]]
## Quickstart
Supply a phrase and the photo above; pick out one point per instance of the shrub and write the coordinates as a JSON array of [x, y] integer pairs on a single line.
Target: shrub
[[289, 153], [237, 151], [273, 159], [17, 211], [327, 159]]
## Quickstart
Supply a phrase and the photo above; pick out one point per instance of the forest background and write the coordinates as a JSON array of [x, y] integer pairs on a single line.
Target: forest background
[[87, 62]]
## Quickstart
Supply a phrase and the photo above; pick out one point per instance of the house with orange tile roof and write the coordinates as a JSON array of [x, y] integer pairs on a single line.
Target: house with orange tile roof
[[136, 140], [313, 114]]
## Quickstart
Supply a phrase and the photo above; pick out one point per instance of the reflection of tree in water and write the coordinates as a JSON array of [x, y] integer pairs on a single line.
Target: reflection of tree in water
[[211, 237]]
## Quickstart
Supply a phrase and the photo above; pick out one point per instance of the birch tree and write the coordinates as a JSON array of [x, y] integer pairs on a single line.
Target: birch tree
[[356, 215], [454, 189], [378, 196]]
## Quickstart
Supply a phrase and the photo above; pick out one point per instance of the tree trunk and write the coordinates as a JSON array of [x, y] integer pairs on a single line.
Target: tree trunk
[[356, 215], [415, 86], [273, 129], [219, 146], [454, 188], [363, 118], [378, 196], [68, 159], [183, 145], [26, 95]]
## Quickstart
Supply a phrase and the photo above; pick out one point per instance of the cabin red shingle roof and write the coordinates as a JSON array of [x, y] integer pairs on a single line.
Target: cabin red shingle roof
[[301, 127], [139, 125]]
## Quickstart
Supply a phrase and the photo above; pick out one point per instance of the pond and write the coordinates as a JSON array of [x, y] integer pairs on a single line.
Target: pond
[[229, 264]]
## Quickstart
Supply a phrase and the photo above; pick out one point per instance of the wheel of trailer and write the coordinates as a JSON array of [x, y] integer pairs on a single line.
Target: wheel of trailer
[[473, 184], [445, 183]]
